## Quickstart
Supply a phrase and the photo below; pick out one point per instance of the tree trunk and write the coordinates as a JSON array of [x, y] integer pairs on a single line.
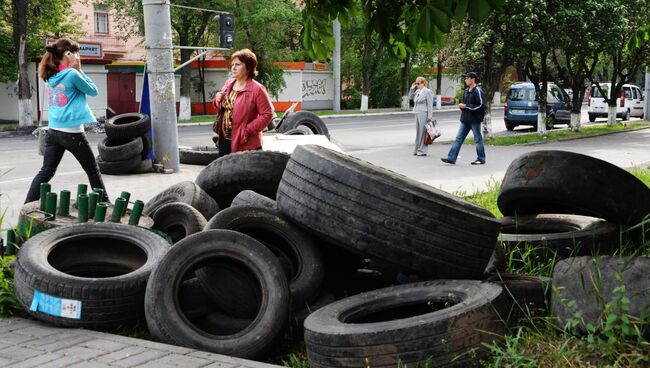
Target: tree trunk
[[364, 102], [487, 122], [575, 121], [611, 115], [25, 112], [185, 107], [405, 82], [439, 84]]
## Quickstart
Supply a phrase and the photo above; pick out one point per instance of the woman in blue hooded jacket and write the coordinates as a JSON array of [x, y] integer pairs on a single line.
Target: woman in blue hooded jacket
[[66, 88]]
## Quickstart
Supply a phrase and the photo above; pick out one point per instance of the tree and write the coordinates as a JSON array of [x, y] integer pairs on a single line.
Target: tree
[[480, 47], [24, 25], [626, 46], [578, 44], [535, 30], [403, 25]]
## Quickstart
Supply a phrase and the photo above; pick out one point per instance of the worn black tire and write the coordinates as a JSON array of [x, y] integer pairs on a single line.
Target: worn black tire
[[497, 260], [305, 118], [259, 171], [198, 155], [192, 301], [384, 327], [249, 197], [186, 192], [121, 167], [528, 296], [298, 316], [168, 324], [105, 266], [572, 183], [178, 220], [117, 150], [129, 125], [297, 252], [146, 145], [552, 236], [575, 280], [145, 166], [380, 214], [300, 130], [219, 323]]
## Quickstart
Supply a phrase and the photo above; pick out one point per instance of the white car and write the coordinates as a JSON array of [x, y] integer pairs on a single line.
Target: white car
[[629, 104]]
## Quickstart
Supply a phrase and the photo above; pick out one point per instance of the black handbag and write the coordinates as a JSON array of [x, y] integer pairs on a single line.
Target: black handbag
[[216, 126]]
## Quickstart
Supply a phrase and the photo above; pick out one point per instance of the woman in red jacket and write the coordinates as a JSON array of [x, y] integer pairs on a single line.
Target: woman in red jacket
[[245, 106]]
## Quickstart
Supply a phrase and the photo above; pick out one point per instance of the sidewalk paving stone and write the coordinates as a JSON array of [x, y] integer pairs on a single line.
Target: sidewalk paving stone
[[26, 343]]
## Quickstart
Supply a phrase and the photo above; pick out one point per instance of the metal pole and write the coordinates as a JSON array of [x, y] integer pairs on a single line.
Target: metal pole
[[162, 95], [337, 65], [646, 106]]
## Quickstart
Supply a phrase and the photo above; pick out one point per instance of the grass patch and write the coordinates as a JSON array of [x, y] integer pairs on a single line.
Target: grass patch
[[8, 127], [559, 134]]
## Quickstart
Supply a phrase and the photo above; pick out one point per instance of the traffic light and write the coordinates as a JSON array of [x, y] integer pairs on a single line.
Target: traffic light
[[226, 30]]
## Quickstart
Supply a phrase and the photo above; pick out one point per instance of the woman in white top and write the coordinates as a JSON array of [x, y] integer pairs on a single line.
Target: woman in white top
[[423, 99]]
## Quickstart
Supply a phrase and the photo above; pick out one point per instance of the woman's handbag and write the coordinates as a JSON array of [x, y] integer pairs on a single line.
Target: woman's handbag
[[432, 133], [216, 126]]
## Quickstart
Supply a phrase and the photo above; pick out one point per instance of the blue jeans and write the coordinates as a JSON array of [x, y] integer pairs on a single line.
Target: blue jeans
[[463, 131], [56, 143]]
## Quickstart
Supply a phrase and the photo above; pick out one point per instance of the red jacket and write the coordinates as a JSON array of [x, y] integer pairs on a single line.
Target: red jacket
[[251, 113]]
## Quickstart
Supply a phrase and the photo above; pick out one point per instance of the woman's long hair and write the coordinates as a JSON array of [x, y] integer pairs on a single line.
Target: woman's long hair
[[51, 60]]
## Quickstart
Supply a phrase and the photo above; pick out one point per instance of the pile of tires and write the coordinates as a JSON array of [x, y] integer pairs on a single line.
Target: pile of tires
[[126, 146], [285, 237], [568, 212]]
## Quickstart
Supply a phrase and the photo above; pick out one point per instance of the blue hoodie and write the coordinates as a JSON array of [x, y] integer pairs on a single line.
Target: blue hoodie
[[65, 93]]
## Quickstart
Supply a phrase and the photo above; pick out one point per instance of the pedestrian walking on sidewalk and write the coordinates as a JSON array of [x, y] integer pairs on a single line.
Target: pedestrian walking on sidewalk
[[66, 89], [472, 112], [423, 99], [244, 107]]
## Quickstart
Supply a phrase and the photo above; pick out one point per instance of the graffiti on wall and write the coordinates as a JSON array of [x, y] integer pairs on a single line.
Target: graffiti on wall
[[313, 87]]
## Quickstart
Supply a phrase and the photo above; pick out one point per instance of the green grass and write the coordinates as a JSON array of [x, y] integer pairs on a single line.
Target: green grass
[[8, 127], [559, 134]]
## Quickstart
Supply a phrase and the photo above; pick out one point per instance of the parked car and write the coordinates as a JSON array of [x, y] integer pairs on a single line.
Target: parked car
[[629, 104], [521, 108]]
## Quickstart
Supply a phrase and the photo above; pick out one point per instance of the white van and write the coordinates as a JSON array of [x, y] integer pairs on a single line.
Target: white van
[[629, 104]]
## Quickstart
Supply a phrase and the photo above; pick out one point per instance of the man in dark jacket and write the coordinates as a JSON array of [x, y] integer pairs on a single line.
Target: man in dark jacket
[[472, 111]]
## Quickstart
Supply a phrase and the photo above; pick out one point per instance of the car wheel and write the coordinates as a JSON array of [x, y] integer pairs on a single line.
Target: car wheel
[[510, 126], [592, 118], [626, 117]]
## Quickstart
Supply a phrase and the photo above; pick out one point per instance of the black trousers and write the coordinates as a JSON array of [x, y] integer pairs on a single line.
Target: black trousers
[[224, 146], [56, 143]]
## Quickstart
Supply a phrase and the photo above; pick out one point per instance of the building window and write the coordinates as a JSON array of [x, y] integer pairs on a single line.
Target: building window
[[101, 21]]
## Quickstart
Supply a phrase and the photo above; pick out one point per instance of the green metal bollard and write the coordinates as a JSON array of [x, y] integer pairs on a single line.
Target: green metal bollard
[[82, 205], [64, 203], [50, 205], [100, 212], [45, 188], [10, 248], [82, 189], [99, 191], [136, 212], [127, 196], [118, 209], [93, 198]]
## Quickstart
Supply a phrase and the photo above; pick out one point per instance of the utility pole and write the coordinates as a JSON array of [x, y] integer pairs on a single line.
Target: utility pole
[[646, 106], [160, 65], [337, 65]]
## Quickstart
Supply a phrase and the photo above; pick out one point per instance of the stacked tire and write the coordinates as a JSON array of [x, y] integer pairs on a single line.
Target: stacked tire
[[288, 236], [126, 146]]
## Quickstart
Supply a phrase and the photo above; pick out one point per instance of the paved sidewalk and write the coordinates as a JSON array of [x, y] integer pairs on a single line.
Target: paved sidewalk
[[26, 343]]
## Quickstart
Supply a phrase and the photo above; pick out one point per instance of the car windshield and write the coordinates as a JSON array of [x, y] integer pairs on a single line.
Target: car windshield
[[596, 93], [521, 94]]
